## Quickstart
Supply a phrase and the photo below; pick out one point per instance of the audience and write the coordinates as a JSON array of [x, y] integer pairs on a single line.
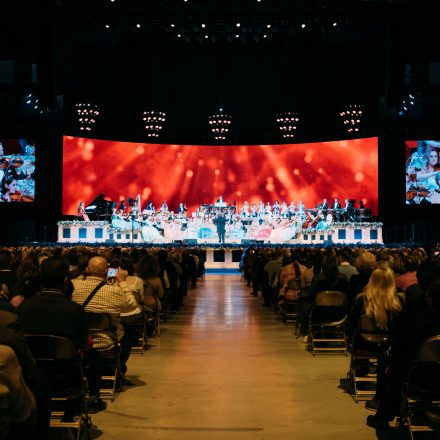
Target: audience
[[35, 287]]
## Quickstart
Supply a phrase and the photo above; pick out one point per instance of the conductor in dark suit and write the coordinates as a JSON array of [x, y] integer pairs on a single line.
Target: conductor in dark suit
[[220, 222]]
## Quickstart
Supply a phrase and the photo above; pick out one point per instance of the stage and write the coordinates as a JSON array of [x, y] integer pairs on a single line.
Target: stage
[[338, 233]]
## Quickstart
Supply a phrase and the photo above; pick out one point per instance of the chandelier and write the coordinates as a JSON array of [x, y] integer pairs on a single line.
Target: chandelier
[[219, 125], [287, 123], [87, 114], [351, 116], [153, 121]]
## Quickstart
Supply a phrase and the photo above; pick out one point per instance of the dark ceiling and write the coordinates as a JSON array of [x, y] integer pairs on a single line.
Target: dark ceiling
[[310, 56]]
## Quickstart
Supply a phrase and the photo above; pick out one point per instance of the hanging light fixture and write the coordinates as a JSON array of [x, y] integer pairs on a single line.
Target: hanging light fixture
[[287, 123], [352, 116], [87, 114], [220, 124], [153, 122]]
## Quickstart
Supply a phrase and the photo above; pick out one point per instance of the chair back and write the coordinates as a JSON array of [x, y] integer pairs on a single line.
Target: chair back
[[429, 350], [369, 330], [51, 347], [424, 377], [99, 322], [331, 298], [294, 284]]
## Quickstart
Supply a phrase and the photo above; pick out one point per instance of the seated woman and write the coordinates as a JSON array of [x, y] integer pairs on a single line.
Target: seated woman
[[379, 301], [81, 214], [8, 189], [147, 269]]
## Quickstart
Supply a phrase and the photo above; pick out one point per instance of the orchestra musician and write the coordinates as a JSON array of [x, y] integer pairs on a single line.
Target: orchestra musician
[[182, 209], [349, 210], [164, 207], [336, 204], [81, 214], [8, 188]]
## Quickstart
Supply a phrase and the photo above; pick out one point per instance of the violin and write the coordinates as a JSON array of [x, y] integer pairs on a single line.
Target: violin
[[20, 196]]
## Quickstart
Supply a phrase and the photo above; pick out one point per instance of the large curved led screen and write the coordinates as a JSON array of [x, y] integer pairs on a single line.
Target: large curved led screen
[[422, 172], [198, 175]]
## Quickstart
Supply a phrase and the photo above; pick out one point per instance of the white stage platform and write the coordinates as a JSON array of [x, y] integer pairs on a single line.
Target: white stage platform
[[338, 233]]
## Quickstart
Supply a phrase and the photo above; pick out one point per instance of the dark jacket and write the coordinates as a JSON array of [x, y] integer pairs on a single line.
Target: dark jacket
[[51, 312]]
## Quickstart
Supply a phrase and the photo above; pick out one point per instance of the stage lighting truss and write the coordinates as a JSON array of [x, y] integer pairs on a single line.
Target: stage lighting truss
[[220, 124], [287, 123], [153, 122], [87, 114], [352, 116]]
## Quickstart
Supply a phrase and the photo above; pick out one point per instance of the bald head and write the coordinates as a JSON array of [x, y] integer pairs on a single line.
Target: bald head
[[97, 266]]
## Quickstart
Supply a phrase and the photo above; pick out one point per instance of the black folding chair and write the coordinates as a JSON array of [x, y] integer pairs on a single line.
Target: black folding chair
[[58, 359], [290, 304], [368, 343], [422, 392], [102, 323], [327, 323]]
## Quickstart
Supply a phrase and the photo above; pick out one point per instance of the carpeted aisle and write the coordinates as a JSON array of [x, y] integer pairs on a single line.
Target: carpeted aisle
[[228, 369]]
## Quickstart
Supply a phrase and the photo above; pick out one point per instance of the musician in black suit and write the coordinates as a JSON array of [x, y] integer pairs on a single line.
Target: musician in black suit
[[336, 204], [324, 204], [349, 210], [182, 209], [220, 222], [337, 214]]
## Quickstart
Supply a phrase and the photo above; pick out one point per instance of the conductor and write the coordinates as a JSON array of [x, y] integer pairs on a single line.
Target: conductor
[[220, 222]]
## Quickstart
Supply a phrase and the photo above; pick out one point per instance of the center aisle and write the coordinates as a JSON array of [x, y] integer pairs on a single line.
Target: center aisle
[[228, 369]]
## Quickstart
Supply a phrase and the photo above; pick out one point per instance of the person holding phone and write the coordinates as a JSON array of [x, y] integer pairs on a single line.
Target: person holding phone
[[112, 298]]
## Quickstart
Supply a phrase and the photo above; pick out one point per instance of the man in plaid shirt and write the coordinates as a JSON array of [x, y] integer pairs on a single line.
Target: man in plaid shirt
[[112, 298]]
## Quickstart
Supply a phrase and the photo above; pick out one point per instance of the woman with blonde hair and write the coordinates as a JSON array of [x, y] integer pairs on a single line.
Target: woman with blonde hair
[[380, 302], [380, 298]]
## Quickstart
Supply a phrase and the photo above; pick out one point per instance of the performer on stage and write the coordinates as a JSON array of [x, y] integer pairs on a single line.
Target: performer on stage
[[349, 210], [220, 203], [81, 214], [336, 204], [220, 222]]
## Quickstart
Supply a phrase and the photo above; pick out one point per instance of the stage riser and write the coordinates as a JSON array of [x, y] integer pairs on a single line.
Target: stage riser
[[100, 232]]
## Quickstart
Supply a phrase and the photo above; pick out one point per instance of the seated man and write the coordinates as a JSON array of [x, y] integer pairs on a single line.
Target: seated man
[[52, 312], [112, 298]]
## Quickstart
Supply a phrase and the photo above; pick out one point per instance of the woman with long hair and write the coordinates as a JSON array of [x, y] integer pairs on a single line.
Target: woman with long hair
[[148, 270], [380, 302]]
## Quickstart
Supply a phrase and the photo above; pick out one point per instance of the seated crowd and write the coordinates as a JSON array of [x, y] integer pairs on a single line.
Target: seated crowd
[[397, 289], [55, 291]]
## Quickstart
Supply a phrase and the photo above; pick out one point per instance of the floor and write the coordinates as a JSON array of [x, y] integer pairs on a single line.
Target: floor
[[227, 368]]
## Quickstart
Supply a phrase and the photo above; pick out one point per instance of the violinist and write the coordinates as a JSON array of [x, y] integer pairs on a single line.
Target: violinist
[[3, 167], [9, 189]]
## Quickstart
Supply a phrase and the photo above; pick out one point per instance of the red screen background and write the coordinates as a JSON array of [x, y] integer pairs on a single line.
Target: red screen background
[[198, 174]]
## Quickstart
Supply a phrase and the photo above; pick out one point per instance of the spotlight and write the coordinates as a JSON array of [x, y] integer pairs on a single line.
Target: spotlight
[[87, 114], [237, 36], [178, 35], [287, 123], [265, 36], [351, 116], [153, 122], [203, 25], [219, 124], [138, 26], [334, 24], [172, 24], [206, 36], [269, 26], [107, 26], [303, 26], [238, 24]]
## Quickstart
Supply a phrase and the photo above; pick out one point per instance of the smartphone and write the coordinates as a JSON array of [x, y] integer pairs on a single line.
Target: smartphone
[[112, 272]]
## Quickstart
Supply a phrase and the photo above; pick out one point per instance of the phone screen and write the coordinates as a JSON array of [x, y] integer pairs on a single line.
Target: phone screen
[[112, 272]]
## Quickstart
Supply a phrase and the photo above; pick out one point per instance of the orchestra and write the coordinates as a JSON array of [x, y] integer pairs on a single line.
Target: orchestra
[[278, 222]]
